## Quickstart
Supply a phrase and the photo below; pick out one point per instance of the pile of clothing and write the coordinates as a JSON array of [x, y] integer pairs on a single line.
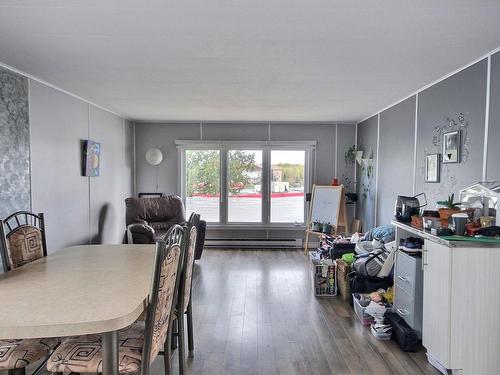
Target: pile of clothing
[[372, 260], [377, 308], [334, 247], [376, 252]]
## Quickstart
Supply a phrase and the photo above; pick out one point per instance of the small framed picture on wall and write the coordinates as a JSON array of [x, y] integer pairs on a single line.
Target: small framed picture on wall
[[432, 167], [451, 147]]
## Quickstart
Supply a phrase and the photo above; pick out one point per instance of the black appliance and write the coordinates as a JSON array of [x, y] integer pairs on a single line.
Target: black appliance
[[406, 207]]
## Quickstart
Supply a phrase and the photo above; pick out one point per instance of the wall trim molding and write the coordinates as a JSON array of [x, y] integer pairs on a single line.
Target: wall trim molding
[[458, 70], [43, 82], [415, 147], [487, 120], [375, 211], [30, 157], [264, 123], [336, 150], [135, 160]]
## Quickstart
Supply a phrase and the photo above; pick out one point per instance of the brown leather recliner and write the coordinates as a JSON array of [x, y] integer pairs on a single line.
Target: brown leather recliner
[[149, 219]]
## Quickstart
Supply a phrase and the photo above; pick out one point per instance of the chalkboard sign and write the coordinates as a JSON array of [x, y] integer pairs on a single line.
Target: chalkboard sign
[[325, 204]]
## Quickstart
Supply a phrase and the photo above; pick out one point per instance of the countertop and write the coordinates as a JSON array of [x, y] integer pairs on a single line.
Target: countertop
[[428, 236]]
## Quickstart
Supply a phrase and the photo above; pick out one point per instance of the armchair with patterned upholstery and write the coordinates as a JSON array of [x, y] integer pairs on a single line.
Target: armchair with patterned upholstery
[[148, 219], [22, 240]]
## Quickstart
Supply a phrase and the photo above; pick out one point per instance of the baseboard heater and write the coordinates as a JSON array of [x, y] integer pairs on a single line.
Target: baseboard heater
[[254, 242]]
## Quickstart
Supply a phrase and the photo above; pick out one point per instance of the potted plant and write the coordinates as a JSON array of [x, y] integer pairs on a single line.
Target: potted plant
[[327, 228], [316, 226], [448, 208], [350, 155]]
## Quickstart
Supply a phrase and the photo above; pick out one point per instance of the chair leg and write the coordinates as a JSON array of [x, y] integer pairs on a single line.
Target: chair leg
[[180, 340], [189, 314], [167, 353], [175, 334]]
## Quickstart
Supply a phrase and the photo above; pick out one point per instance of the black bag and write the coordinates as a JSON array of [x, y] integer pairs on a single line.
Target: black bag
[[368, 284], [404, 335]]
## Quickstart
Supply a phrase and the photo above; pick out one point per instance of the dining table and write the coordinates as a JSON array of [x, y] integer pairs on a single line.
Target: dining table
[[88, 289]]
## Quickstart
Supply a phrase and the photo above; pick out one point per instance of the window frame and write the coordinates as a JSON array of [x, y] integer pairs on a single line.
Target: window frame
[[266, 146]]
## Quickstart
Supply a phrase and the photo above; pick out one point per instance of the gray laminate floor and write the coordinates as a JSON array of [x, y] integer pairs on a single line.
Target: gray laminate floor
[[255, 314]]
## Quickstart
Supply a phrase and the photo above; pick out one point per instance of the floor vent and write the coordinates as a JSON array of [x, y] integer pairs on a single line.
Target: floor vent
[[254, 242]]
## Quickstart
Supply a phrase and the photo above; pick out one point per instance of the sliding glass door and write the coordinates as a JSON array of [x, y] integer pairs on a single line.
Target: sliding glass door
[[287, 186], [255, 184], [202, 183], [244, 186]]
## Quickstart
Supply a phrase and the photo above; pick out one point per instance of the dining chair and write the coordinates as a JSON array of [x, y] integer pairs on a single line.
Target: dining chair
[[22, 240], [184, 304], [141, 342]]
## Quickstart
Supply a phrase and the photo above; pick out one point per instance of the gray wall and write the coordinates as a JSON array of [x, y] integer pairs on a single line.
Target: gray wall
[[58, 123], [464, 92], [493, 168], [365, 174], [163, 136], [108, 191], [14, 143], [455, 103], [78, 210], [395, 163]]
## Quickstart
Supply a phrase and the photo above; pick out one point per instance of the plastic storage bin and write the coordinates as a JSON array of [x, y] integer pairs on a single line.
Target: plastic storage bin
[[360, 302], [384, 336]]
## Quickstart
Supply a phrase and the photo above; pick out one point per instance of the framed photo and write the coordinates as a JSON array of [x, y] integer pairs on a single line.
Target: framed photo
[[432, 167], [451, 147]]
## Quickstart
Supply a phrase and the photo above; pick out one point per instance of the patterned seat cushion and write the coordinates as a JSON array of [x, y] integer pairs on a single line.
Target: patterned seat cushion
[[20, 353], [83, 354], [24, 245]]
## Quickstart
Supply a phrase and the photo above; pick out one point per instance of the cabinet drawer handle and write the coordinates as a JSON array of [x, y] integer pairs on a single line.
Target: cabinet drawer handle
[[402, 312], [402, 278]]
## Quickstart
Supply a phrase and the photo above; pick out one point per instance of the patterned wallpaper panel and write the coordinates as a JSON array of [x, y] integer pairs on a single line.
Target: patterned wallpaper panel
[[14, 144]]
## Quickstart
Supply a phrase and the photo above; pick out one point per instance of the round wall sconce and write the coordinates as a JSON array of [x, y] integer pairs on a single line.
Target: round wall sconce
[[154, 156]]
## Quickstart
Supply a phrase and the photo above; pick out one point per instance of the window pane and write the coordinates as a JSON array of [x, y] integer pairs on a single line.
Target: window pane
[[287, 186], [244, 186], [203, 183]]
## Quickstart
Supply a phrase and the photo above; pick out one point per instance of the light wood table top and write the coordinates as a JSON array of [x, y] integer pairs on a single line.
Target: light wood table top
[[78, 290]]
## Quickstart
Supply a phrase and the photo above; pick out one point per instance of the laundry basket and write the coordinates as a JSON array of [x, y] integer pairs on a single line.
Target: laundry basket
[[324, 277]]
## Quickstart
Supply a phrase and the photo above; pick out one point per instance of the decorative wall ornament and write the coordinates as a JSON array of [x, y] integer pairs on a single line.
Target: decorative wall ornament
[[448, 180], [367, 174], [461, 124], [91, 158], [14, 144], [154, 156]]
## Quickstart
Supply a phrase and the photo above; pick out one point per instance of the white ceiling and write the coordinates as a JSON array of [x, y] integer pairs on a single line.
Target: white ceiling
[[270, 60]]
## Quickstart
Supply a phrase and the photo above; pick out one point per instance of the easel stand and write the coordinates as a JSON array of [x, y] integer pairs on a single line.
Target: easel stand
[[340, 218]]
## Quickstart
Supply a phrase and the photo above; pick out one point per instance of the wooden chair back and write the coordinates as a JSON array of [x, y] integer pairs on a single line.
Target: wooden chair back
[[164, 287], [189, 243], [22, 239]]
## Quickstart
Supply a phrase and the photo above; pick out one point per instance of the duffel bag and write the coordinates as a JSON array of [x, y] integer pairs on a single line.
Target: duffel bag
[[370, 264]]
